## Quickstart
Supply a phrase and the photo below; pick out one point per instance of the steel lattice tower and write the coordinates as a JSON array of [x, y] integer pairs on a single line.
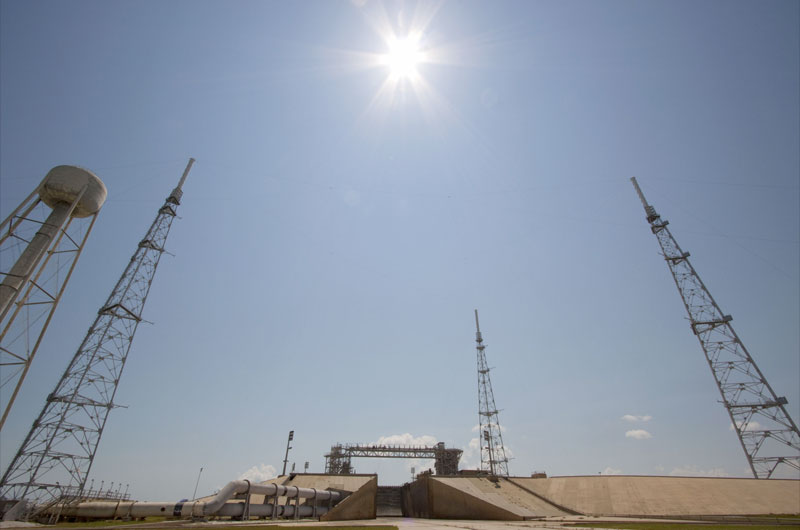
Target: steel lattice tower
[[56, 457], [768, 435], [493, 452]]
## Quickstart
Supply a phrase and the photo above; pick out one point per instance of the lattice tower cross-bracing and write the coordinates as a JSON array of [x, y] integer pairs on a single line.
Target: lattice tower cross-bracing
[[768, 435], [59, 450], [493, 452]]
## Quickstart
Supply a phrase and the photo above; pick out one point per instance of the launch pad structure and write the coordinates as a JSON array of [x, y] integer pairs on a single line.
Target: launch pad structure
[[83, 398], [338, 461]]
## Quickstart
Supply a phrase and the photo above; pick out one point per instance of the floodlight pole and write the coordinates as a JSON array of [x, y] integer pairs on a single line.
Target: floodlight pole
[[194, 495], [288, 446]]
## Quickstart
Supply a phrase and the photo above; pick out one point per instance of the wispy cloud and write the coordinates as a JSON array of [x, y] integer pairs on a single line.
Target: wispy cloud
[[471, 458], [749, 426], [419, 465], [406, 439], [476, 428], [694, 471], [634, 418], [638, 434], [259, 473], [611, 471]]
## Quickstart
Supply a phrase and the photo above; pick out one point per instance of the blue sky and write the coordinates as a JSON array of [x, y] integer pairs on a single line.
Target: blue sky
[[335, 236]]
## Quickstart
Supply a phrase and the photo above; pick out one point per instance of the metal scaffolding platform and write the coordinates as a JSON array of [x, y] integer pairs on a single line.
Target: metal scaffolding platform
[[337, 462]]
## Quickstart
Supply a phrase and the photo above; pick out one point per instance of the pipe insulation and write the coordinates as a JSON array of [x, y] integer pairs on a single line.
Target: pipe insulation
[[122, 510], [217, 506]]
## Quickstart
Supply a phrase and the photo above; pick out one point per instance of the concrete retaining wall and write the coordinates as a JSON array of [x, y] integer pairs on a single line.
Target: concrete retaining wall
[[527, 498], [669, 496]]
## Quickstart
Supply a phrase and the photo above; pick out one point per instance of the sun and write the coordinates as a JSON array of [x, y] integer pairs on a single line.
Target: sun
[[403, 57]]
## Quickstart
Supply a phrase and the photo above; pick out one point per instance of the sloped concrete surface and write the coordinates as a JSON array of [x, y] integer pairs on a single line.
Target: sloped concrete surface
[[669, 496], [506, 500], [361, 504]]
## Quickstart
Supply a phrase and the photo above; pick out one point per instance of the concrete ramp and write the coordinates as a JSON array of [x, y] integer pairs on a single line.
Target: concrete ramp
[[475, 498], [360, 504], [668, 496]]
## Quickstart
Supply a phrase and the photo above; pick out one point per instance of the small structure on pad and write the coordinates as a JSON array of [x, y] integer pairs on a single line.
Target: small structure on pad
[[338, 461]]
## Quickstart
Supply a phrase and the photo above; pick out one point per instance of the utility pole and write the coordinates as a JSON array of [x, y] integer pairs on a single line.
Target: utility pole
[[58, 453], [768, 436], [288, 446], [493, 452]]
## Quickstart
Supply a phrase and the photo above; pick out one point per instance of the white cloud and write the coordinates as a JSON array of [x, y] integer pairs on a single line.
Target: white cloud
[[634, 418], [259, 473], [419, 465], [611, 471], [471, 458], [476, 428], [750, 426], [694, 471], [638, 434], [406, 439]]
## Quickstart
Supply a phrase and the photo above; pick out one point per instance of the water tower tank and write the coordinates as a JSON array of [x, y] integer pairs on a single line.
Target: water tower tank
[[63, 184]]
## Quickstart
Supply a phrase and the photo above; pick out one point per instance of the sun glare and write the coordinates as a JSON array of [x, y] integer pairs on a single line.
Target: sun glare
[[407, 54], [403, 57]]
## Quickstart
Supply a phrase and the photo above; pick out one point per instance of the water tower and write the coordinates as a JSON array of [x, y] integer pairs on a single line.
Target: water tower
[[38, 252]]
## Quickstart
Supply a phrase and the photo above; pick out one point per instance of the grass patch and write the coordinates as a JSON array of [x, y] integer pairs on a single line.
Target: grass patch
[[108, 522], [154, 520], [684, 526]]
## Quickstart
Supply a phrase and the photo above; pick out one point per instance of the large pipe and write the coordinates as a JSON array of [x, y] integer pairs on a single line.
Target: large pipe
[[23, 268], [217, 506], [135, 510]]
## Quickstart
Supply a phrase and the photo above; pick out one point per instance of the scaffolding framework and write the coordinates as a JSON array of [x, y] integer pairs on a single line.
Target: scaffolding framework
[[338, 461], [768, 435], [57, 454], [493, 451]]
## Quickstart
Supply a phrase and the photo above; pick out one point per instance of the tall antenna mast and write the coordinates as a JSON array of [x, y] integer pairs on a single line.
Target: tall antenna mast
[[493, 452], [768, 435], [56, 457]]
